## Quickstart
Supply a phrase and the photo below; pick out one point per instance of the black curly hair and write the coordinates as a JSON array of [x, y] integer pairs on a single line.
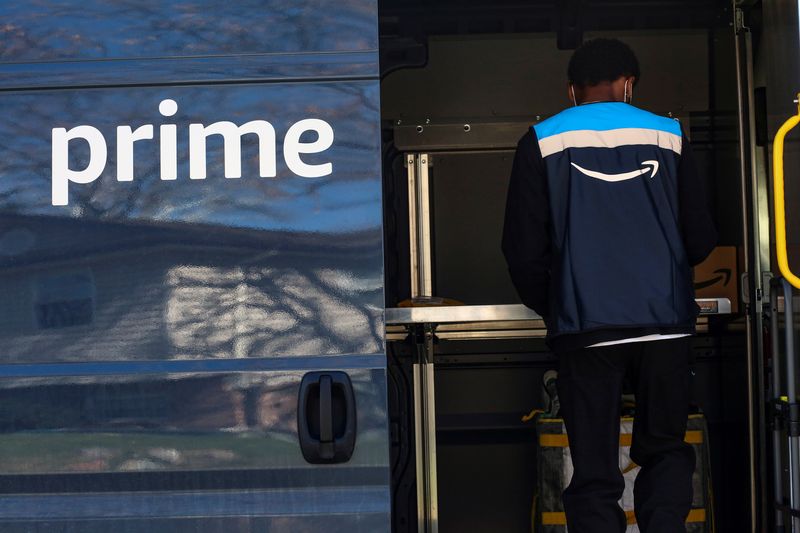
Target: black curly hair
[[602, 60]]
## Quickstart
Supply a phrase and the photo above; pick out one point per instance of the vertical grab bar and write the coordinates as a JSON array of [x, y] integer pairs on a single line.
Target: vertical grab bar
[[789, 280], [777, 433], [791, 392], [779, 200]]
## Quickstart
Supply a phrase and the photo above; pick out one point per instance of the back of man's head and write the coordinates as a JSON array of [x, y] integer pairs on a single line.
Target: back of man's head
[[602, 61]]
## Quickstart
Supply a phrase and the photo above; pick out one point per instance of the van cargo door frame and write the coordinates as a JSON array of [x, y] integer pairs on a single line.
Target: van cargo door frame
[[420, 145], [754, 251]]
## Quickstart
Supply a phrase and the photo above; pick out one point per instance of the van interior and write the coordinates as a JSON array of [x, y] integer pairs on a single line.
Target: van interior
[[461, 82]]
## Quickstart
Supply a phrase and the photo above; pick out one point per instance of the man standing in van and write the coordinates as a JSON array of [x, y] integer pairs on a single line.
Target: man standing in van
[[605, 218]]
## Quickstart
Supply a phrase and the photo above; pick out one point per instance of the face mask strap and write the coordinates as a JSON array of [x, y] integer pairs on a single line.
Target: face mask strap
[[572, 90]]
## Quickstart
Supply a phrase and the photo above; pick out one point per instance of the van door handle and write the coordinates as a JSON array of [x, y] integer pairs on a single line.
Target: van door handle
[[326, 417]]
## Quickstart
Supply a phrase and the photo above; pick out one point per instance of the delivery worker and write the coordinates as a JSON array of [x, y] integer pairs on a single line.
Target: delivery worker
[[605, 218]]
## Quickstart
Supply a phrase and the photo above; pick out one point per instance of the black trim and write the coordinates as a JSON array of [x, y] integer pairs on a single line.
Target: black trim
[[284, 478], [263, 364], [314, 67]]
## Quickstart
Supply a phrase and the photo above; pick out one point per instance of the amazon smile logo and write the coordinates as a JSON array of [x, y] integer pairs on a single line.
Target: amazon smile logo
[[647, 167], [724, 274]]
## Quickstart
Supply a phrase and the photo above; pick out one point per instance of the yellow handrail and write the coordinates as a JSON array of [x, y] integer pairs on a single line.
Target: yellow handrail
[[780, 202]]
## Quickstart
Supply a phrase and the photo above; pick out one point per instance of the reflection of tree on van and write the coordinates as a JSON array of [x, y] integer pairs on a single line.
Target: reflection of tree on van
[[64, 300], [188, 293]]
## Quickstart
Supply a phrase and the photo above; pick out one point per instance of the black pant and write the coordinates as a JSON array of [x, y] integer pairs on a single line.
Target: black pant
[[590, 389]]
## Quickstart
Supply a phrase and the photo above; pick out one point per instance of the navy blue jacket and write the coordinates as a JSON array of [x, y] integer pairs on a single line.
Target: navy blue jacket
[[604, 219]]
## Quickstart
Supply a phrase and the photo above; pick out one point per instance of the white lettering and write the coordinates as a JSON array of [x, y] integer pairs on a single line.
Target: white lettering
[[62, 174], [168, 134], [232, 135], [125, 139], [292, 147]]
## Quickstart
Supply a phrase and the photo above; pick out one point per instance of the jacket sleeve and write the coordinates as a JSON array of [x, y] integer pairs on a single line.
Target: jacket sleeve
[[526, 230], [697, 225]]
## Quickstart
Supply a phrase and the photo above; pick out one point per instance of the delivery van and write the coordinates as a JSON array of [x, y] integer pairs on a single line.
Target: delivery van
[[250, 267]]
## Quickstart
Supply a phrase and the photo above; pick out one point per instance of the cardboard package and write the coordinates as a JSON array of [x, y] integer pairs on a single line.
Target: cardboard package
[[718, 276]]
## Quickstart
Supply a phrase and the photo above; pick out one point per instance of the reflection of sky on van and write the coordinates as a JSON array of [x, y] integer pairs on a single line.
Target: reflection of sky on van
[[347, 200], [51, 30]]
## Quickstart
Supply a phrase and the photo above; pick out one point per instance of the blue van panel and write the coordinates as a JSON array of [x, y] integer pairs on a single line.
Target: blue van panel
[[173, 431], [346, 201], [153, 269], [244, 68], [337, 522], [93, 43], [157, 316], [68, 30]]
